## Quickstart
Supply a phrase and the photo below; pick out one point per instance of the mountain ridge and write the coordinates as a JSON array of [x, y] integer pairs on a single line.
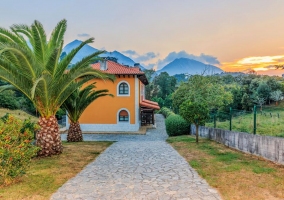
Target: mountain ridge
[[177, 66], [188, 66], [87, 50]]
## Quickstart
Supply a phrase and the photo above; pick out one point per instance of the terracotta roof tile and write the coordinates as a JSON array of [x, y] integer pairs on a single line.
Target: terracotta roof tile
[[150, 104], [116, 68]]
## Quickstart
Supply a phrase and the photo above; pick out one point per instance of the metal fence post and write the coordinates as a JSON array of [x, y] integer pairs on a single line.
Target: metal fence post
[[230, 118], [254, 119]]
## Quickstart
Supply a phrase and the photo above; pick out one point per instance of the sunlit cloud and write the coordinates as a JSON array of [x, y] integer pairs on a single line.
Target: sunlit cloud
[[260, 60], [260, 64], [260, 69]]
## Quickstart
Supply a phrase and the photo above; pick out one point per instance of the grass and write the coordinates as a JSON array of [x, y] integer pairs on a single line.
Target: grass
[[46, 175], [18, 113], [234, 174], [266, 123]]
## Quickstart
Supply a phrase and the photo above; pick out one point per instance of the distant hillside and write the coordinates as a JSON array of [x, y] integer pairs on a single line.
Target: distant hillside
[[87, 50], [234, 74], [189, 66], [18, 113]]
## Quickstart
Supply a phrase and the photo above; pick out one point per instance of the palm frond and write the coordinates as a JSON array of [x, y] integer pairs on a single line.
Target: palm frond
[[7, 87], [7, 36], [39, 42], [52, 62], [68, 58], [36, 70], [80, 99], [57, 34]]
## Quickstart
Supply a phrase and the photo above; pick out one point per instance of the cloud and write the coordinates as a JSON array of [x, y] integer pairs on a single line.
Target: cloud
[[261, 64], [149, 66], [261, 60], [207, 59], [130, 52], [83, 35], [140, 58], [146, 57]]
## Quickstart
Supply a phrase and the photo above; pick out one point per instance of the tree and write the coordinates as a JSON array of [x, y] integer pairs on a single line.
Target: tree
[[34, 68], [150, 86], [264, 90], [237, 97], [202, 89], [194, 112], [259, 100], [165, 83], [273, 83], [161, 88], [246, 102], [276, 96], [75, 105]]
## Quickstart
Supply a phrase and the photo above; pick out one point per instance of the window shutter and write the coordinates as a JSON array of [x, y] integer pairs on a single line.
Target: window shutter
[[123, 113]]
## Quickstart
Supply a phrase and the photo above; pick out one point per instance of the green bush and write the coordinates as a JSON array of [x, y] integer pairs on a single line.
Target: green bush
[[31, 126], [166, 112], [176, 125], [8, 100], [16, 149]]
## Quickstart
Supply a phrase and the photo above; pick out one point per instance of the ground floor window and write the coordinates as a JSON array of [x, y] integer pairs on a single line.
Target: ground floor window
[[123, 116]]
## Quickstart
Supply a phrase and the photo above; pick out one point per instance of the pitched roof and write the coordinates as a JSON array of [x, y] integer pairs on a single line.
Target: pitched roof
[[150, 104], [118, 69]]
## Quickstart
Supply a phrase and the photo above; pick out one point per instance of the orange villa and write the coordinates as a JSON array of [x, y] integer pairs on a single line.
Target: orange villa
[[128, 109]]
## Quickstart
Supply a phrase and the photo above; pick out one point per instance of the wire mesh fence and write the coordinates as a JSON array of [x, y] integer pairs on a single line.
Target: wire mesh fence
[[268, 120]]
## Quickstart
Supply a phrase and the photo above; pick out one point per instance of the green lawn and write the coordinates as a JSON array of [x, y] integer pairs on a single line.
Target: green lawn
[[267, 121], [234, 174], [46, 175]]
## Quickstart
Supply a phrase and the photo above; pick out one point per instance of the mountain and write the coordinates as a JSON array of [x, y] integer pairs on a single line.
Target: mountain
[[87, 50], [189, 66]]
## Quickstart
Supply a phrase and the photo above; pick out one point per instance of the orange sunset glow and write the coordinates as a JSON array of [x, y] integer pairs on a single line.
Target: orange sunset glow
[[260, 64]]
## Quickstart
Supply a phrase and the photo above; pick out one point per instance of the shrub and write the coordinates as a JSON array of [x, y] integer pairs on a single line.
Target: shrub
[[166, 112], [16, 149], [176, 125], [31, 126], [8, 100]]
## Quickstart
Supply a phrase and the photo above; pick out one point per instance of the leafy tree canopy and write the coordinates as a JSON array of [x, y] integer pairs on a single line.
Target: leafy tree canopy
[[194, 112], [206, 89]]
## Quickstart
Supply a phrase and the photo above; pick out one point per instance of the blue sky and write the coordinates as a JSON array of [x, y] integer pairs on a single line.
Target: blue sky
[[215, 31]]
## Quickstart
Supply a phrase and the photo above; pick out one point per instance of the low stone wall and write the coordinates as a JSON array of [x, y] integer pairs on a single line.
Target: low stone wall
[[271, 148]]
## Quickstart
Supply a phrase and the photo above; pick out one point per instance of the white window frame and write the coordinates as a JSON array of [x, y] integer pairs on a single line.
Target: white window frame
[[117, 116], [117, 89]]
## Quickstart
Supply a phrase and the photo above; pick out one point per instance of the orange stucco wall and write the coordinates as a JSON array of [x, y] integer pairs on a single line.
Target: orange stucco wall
[[104, 110]]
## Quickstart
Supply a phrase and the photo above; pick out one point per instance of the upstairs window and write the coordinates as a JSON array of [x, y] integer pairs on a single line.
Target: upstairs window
[[123, 88], [123, 116]]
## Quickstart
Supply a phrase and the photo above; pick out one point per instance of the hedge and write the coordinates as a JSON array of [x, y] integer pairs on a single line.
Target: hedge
[[166, 112], [176, 125]]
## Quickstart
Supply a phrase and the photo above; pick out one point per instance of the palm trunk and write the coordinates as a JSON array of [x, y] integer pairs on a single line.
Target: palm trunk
[[48, 138], [74, 132]]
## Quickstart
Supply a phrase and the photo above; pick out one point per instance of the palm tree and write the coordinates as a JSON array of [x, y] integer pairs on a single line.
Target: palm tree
[[75, 105], [31, 63]]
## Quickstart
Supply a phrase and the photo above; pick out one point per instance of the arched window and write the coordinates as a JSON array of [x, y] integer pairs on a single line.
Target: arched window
[[123, 88], [123, 116]]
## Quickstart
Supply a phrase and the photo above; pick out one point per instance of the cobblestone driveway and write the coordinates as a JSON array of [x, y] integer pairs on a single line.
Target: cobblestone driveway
[[137, 167]]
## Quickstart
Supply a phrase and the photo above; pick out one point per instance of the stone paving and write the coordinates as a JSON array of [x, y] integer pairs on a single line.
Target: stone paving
[[137, 167]]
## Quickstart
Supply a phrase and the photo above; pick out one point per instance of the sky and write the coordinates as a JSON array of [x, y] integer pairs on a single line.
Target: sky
[[233, 35]]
